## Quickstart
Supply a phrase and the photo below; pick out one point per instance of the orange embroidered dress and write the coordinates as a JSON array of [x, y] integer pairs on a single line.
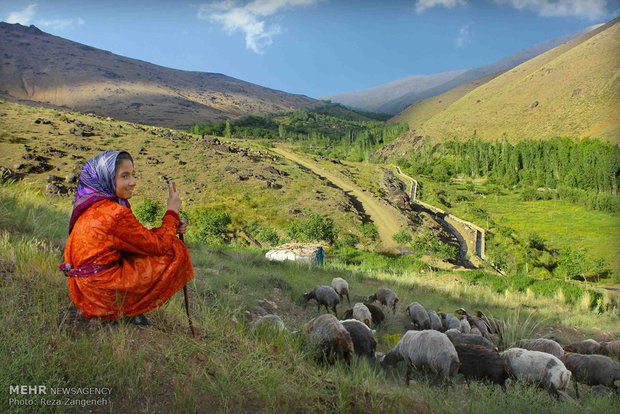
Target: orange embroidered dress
[[146, 266]]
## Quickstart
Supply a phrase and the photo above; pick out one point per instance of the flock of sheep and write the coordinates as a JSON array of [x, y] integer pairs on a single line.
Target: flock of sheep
[[443, 344]]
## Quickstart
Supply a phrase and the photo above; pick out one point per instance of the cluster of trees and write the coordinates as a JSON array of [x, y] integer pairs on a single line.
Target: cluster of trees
[[585, 171], [329, 130]]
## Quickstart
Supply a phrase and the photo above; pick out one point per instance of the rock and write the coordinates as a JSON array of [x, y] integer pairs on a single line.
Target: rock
[[7, 174], [56, 190], [534, 104], [54, 152], [271, 184], [54, 179], [72, 178]]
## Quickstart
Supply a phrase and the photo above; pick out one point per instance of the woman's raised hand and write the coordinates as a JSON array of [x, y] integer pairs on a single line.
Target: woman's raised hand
[[174, 199]]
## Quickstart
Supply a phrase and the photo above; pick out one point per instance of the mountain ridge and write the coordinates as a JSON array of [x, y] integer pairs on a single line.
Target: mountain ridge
[[41, 67], [398, 103]]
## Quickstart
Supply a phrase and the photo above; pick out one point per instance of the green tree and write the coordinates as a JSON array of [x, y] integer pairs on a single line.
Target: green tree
[[228, 129]]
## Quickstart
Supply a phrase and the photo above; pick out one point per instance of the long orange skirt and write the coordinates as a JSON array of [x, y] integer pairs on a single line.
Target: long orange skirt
[[148, 266]]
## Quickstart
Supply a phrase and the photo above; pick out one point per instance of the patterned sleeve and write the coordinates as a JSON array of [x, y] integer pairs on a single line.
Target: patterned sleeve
[[132, 236]]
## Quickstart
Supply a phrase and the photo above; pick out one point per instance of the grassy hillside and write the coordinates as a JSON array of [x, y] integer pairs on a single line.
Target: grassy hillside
[[227, 368], [571, 90], [241, 177], [40, 67]]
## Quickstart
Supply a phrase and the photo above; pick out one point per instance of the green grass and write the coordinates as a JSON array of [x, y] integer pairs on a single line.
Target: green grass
[[162, 369]]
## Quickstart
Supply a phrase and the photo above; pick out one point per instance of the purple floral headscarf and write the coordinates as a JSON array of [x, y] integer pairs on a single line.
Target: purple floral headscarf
[[97, 182]]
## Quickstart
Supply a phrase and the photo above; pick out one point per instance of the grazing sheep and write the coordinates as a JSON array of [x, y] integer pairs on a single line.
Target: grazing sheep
[[324, 295], [363, 338], [457, 337], [435, 321], [480, 362], [362, 314], [543, 345], [474, 321], [494, 325], [611, 348], [475, 331], [419, 316], [377, 314], [333, 340], [588, 346], [593, 369], [450, 321], [341, 287], [465, 326], [537, 367], [427, 350], [269, 322], [386, 297]]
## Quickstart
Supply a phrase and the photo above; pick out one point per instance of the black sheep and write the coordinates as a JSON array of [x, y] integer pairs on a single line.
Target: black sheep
[[457, 337], [364, 341], [481, 363]]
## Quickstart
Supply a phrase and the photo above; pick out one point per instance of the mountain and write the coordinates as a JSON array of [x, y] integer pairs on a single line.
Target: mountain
[[40, 67], [571, 90], [393, 97]]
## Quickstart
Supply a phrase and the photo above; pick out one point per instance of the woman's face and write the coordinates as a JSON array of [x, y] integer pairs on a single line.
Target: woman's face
[[125, 180]]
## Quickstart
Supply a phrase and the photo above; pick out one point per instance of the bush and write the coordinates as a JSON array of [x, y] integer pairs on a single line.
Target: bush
[[149, 212], [315, 227], [529, 194], [368, 230], [209, 225], [402, 237], [347, 240], [269, 236]]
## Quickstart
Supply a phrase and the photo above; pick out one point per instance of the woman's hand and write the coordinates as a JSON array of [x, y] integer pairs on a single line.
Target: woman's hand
[[174, 200], [182, 226]]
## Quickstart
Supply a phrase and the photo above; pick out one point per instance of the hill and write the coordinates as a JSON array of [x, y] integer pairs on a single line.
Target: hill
[[40, 67], [393, 97], [571, 90]]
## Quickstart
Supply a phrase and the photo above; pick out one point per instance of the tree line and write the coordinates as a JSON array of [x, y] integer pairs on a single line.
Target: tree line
[[585, 171], [328, 130]]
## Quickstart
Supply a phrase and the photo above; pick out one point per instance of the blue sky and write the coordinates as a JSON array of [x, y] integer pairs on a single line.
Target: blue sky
[[312, 47]]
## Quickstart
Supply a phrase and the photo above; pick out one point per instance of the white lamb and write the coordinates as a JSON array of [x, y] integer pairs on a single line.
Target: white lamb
[[537, 367], [362, 314], [426, 350]]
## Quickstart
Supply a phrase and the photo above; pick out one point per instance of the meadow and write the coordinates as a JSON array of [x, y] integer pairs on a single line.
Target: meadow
[[227, 368]]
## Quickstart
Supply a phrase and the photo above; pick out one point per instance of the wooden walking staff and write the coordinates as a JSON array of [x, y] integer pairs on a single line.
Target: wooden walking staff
[[189, 318]]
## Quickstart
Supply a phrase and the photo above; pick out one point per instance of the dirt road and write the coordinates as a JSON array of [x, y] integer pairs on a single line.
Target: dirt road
[[387, 218]]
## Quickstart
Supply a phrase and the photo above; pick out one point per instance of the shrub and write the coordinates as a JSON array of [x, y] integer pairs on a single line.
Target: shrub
[[347, 240], [315, 227], [368, 230], [529, 194], [209, 225], [269, 236], [149, 212], [402, 237]]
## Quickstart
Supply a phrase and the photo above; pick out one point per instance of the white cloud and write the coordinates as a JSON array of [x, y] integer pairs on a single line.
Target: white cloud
[[249, 18], [589, 9], [23, 16], [422, 5], [464, 36], [59, 24]]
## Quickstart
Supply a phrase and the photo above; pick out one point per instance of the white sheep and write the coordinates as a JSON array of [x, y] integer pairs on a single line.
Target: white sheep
[[537, 367], [418, 316], [426, 350], [362, 314], [341, 287], [543, 345]]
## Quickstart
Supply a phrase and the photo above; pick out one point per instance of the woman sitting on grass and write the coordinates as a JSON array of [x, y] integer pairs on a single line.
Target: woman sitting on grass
[[116, 266]]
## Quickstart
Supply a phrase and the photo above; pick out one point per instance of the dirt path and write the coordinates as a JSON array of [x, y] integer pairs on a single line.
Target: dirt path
[[387, 218]]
